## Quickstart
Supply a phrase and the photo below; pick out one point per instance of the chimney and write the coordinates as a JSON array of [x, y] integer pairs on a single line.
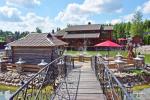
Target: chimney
[[49, 35], [89, 23]]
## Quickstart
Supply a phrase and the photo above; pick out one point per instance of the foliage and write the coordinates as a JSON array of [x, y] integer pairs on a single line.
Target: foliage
[[147, 39], [38, 30], [2, 39], [130, 29], [137, 25], [4, 35], [146, 25], [137, 71]]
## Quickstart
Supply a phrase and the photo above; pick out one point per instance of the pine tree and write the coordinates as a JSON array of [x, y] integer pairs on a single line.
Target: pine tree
[[137, 25]]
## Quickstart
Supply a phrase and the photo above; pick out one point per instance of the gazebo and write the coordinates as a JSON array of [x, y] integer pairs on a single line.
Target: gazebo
[[36, 46], [26, 53]]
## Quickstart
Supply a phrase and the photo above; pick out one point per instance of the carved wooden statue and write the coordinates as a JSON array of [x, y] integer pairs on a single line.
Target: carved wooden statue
[[130, 51]]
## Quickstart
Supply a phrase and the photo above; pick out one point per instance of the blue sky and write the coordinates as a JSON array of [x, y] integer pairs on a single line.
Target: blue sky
[[26, 15]]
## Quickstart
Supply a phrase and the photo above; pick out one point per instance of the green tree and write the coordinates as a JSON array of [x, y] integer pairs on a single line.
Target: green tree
[[119, 30], [146, 25], [137, 25], [127, 29], [16, 35], [38, 30]]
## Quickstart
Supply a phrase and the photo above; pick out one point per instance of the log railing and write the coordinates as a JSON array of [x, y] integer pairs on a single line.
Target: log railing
[[111, 86]]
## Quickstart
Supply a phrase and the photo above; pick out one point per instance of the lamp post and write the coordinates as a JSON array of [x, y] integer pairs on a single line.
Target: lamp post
[[41, 65], [7, 53], [135, 45], [1, 65], [129, 88], [60, 65], [19, 65], [119, 62], [138, 61]]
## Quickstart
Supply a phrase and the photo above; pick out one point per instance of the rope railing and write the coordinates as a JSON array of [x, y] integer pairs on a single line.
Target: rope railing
[[42, 84], [112, 87]]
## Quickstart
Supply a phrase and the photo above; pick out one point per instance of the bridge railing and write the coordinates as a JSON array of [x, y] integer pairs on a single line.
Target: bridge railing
[[111, 86], [42, 85]]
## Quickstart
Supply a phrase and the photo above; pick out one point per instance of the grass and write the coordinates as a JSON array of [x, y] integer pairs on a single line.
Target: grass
[[137, 71], [3, 87], [111, 53], [147, 58], [6, 87], [140, 87]]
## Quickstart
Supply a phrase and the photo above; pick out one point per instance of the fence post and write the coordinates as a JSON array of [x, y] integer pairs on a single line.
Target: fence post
[[65, 65], [103, 70], [72, 62]]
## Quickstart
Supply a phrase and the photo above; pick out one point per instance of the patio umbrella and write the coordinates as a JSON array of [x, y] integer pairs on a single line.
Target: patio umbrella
[[108, 44]]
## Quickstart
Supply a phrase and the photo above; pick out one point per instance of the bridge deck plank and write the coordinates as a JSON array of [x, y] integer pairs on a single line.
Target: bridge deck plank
[[82, 84], [89, 87]]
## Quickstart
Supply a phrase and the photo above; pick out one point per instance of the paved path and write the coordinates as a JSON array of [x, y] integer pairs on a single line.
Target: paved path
[[81, 84]]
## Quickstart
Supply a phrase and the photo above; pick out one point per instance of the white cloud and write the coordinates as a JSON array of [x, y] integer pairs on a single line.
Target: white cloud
[[125, 18], [80, 13], [146, 7], [99, 6], [9, 14], [119, 10], [25, 3], [128, 17], [29, 22], [115, 21]]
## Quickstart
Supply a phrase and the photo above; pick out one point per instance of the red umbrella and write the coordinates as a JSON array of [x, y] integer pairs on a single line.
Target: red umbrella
[[108, 44]]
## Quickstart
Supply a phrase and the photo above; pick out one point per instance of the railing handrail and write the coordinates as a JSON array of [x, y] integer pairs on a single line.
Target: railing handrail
[[25, 84], [118, 82]]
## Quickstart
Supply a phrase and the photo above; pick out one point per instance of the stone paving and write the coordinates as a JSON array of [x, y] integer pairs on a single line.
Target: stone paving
[[82, 85]]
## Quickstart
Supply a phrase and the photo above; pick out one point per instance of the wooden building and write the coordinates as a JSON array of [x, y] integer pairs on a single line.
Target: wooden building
[[79, 36], [36, 46]]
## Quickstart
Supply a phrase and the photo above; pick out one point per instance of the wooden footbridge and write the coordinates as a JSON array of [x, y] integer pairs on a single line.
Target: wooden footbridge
[[66, 79]]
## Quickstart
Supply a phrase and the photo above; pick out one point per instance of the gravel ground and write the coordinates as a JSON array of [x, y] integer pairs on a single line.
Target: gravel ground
[[144, 49]]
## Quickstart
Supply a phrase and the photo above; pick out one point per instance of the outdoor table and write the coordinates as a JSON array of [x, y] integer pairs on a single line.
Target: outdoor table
[[81, 58], [108, 58], [138, 62], [118, 55], [120, 63]]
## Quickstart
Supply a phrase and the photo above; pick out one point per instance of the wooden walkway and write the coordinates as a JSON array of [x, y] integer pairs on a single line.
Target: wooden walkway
[[89, 87], [81, 84]]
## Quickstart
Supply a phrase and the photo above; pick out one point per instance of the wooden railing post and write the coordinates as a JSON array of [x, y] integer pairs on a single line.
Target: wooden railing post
[[65, 65]]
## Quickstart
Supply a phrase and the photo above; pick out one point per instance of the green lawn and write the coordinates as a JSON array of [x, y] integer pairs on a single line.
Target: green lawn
[[6, 88], [111, 53], [141, 87], [137, 71]]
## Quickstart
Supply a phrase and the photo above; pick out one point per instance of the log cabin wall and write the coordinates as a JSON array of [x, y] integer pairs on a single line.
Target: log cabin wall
[[31, 55]]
